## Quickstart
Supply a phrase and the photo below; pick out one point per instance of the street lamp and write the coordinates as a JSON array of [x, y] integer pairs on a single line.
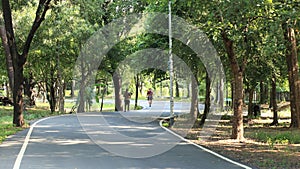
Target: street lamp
[[171, 67]]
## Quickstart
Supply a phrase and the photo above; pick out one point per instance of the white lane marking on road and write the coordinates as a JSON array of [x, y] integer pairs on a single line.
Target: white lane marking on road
[[205, 149], [25, 144]]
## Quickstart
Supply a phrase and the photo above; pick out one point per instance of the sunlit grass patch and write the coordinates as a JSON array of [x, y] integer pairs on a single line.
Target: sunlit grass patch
[[7, 128], [273, 136], [6, 118]]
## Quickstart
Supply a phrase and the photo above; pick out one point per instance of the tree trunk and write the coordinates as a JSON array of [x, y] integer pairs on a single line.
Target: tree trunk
[[51, 96], [238, 127], [161, 89], [176, 88], [221, 94], [263, 93], [293, 74], [250, 104], [136, 91], [207, 99], [61, 97], [194, 112], [9, 63], [61, 85], [17, 63], [118, 91], [103, 94], [82, 97], [81, 100], [18, 119], [271, 98], [237, 72], [232, 92], [274, 103], [28, 90]]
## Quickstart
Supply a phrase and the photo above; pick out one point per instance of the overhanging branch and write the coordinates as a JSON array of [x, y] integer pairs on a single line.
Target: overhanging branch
[[41, 11]]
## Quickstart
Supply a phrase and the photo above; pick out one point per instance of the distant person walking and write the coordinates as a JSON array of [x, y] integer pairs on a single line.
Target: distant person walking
[[150, 96], [127, 96]]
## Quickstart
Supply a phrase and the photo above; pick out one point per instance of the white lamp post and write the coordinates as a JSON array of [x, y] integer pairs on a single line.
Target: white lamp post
[[171, 66]]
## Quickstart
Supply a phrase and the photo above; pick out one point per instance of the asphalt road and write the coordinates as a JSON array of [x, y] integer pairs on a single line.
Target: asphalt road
[[120, 140]]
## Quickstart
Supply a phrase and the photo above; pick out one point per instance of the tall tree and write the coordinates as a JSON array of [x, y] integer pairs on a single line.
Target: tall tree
[[19, 59], [273, 56], [9, 64], [58, 45], [207, 99], [237, 72], [289, 19], [293, 72], [236, 26], [273, 100]]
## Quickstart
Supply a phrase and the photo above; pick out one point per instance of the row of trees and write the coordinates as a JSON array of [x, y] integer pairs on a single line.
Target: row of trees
[[256, 40]]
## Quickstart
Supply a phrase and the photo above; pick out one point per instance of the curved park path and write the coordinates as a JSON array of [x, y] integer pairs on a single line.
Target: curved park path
[[120, 140]]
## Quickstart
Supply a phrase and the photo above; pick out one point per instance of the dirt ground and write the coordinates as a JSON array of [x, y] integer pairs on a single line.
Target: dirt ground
[[251, 152]]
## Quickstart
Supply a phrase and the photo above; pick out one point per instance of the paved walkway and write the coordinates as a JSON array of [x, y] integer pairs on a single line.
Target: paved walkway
[[108, 141]]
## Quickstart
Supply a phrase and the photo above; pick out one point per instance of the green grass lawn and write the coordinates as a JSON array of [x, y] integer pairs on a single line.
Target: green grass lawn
[[6, 127], [6, 118]]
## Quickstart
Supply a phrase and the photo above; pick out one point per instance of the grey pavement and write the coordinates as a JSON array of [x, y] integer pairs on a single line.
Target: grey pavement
[[109, 141]]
